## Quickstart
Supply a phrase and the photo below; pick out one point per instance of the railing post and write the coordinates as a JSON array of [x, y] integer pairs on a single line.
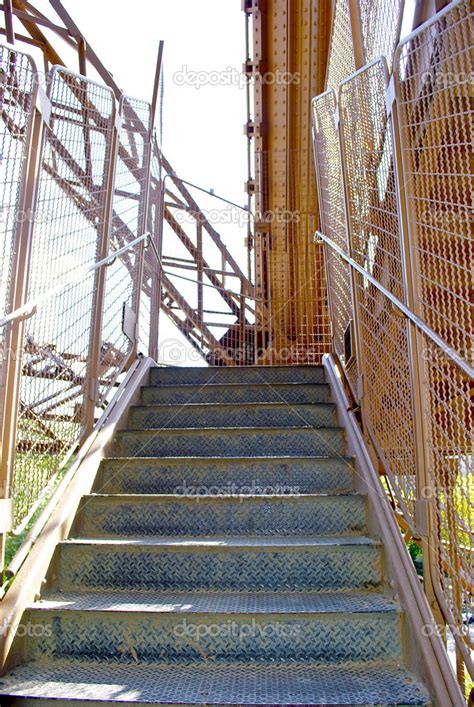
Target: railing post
[[13, 354], [200, 272], [356, 32], [155, 304]]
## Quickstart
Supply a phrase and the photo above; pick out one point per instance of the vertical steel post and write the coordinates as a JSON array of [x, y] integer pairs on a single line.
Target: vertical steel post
[[200, 272], [7, 11], [156, 287], [357, 35], [155, 302]]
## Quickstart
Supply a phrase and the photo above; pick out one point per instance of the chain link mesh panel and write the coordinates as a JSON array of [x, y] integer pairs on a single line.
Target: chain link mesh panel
[[129, 221], [18, 88], [341, 52], [380, 25], [433, 80], [69, 222], [297, 318], [333, 223], [375, 245]]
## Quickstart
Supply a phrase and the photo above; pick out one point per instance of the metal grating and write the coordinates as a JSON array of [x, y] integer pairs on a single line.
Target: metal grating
[[18, 91], [380, 26], [333, 223], [341, 51], [375, 245], [433, 80]]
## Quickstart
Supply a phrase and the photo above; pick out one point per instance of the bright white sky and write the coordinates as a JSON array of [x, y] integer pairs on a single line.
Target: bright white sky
[[203, 128]]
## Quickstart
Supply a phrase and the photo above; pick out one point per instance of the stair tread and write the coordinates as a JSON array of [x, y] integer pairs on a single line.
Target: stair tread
[[376, 682], [226, 541], [156, 497], [223, 430], [239, 386], [233, 602], [249, 460], [243, 404]]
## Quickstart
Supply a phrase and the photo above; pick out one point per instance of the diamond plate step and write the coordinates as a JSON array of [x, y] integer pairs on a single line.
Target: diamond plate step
[[238, 563], [235, 393], [197, 638], [175, 375], [222, 475], [232, 415], [375, 684], [241, 442], [132, 515], [215, 602]]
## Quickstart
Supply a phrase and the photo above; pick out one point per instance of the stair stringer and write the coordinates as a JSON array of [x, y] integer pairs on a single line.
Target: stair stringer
[[78, 481], [423, 648]]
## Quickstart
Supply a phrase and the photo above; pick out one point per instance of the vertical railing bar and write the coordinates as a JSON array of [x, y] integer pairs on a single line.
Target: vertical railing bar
[[200, 272], [7, 11], [155, 301]]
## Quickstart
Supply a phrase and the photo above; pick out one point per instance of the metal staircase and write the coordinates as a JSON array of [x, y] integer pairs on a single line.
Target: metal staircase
[[240, 534], [223, 557]]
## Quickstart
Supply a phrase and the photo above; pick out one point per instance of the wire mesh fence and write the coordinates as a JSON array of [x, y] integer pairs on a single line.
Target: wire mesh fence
[[66, 339], [129, 220], [393, 167], [292, 275], [18, 89], [433, 86]]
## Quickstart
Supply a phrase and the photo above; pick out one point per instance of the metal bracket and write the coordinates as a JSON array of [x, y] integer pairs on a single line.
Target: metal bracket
[[129, 322], [118, 122], [390, 96], [43, 105], [422, 517], [6, 515]]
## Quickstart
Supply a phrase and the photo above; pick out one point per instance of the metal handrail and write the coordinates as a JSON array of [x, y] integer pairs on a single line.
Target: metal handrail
[[29, 308], [424, 328]]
